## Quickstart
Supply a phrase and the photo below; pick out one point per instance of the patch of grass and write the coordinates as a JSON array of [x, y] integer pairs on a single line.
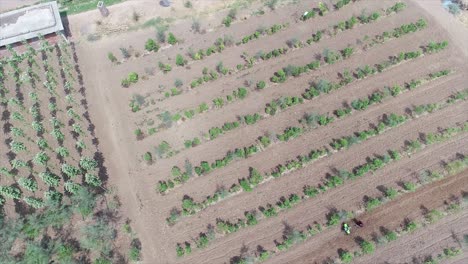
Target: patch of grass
[[75, 7]]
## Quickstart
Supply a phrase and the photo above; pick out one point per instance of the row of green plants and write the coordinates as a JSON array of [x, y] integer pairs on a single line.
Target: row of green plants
[[86, 165], [316, 37], [261, 84], [360, 72], [372, 164], [347, 77], [273, 53], [260, 32], [284, 203], [409, 226], [209, 76], [311, 120], [221, 43], [255, 178], [219, 102], [366, 247]]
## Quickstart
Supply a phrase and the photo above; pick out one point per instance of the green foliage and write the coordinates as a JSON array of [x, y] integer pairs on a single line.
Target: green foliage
[[261, 85], [10, 192], [111, 57], [96, 237], [409, 186], [50, 179], [87, 163], [290, 133], [133, 77], [410, 226], [148, 157], [391, 236], [397, 7], [62, 152], [28, 184], [367, 247], [165, 67], [346, 256], [34, 202], [372, 203], [93, 180], [180, 61], [390, 193], [134, 254], [72, 187], [151, 45], [171, 39]]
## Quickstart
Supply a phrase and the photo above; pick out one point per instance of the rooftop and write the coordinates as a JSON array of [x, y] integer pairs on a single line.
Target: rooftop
[[29, 22]]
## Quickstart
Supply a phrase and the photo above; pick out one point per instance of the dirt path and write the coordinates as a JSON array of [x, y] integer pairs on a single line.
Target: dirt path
[[458, 32]]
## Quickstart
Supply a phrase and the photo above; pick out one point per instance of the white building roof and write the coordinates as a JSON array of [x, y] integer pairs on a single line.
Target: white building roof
[[29, 22]]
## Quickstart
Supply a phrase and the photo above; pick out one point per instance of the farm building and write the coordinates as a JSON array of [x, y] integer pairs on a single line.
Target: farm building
[[29, 22]]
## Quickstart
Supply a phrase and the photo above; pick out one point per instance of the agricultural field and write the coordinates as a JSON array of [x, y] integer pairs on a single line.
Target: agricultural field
[[250, 135]]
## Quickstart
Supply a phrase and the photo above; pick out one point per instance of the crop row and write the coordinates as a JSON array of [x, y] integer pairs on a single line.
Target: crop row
[[274, 53], [293, 132], [190, 207], [284, 203], [19, 128], [251, 119], [331, 182]]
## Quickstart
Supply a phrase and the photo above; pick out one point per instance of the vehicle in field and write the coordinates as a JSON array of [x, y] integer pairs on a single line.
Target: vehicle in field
[[346, 228]]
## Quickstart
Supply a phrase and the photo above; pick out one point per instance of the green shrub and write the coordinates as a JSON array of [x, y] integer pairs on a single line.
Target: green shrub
[[151, 45], [409, 186], [346, 256], [133, 77], [410, 226], [367, 247], [390, 193], [111, 57], [148, 157], [171, 39], [180, 61]]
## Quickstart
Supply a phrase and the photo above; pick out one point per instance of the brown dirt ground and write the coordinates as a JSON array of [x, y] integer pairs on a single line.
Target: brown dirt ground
[[135, 181]]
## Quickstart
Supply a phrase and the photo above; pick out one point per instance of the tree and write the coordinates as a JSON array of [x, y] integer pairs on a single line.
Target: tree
[[10, 192], [92, 180], [83, 201], [346, 256], [367, 247], [41, 158], [62, 152], [97, 236], [36, 253], [17, 147], [28, 184], [261, 85], [134, 254], [70, 170], [50, 178], [88, 163], [72, 187], [34, 202]]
